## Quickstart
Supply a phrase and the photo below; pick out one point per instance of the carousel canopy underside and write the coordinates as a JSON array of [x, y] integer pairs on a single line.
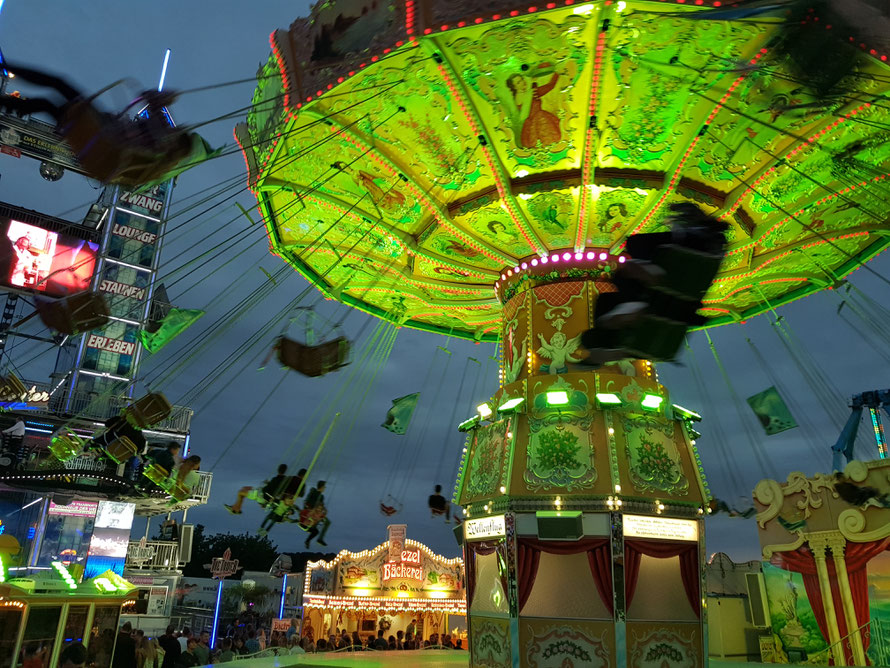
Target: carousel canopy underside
[[420, 176]]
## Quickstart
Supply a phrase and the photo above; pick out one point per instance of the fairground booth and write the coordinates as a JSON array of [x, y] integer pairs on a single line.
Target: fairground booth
[[825, 539], [385, 588], [42, 610]]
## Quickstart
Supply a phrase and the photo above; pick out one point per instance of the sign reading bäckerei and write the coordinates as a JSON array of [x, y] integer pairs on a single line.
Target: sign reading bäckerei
[[485, 527]]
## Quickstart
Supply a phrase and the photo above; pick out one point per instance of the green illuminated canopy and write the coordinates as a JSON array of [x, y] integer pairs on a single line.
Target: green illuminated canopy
[[407, 158]]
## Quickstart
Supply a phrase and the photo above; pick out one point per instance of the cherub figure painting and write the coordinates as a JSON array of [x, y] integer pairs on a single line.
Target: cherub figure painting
[[559, 351]]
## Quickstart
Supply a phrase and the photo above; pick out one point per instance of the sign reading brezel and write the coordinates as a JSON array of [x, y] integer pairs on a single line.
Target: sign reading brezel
[[485, 527], [665, 528], [122, 289], [111, 345]]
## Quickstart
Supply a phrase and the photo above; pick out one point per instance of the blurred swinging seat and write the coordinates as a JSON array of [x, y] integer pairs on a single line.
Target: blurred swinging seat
[[75, 314], [66, 446], [311, 359], [148, 410]]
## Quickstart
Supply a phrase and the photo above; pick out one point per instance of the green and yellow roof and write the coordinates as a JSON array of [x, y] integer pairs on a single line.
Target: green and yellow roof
[[406, 154]]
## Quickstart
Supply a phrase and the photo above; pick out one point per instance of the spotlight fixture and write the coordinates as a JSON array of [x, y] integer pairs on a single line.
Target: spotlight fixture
[[510, 405], [468, 425], [608, 398], [557, 398], [484, 411], [651, 401], [685, 413]]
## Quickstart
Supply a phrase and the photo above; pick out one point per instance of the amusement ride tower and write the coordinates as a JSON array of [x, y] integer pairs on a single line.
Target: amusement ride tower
[[473, 169]]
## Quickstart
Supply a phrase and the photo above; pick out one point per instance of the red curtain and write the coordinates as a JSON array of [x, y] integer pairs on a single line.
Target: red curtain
[[689, 568], [598, 557], [856, 556]]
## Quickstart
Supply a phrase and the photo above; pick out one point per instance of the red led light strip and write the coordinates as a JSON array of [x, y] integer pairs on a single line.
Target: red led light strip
[[587, 168]]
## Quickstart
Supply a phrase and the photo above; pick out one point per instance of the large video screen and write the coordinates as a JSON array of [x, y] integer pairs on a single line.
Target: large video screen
[[32, 258], [111, 536]]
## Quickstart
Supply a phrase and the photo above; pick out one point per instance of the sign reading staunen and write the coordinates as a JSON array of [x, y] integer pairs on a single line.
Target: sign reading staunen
[[485, 527]]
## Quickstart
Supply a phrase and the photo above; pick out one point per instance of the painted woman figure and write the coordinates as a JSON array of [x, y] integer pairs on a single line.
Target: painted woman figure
[[616, 217], [539, 126]]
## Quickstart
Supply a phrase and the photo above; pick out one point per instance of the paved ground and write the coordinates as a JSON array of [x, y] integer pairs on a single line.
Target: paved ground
[[418, 659]]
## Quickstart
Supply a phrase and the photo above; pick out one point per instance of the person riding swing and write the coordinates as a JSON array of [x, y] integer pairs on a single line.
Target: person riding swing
[[112, 148]]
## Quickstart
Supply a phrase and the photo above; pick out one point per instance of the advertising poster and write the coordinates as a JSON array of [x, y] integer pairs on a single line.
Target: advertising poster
[[33, 258], [111, 537]]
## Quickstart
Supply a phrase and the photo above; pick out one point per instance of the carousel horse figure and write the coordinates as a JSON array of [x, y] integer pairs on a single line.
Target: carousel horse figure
[[113, 148], [659, 291]]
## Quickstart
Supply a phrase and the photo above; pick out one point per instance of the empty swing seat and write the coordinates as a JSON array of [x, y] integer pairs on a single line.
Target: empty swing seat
[[67, 446], [120, 450], [75, 314], [313, 360], [149, 410]]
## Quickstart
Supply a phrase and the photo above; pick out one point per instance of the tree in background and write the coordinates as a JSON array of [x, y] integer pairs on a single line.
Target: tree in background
[[254, 553]]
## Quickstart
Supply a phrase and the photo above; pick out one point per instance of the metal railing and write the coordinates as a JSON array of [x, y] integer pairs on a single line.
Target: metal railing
[[201, 491], [100, 408], [154, 555]]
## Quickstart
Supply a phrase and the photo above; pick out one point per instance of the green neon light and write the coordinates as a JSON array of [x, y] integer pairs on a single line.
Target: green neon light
[[651, 401], [608, 398], [2, 570], [105, 585], [686, 413], [466, 425], [510, 404], [558, 513], [64, 574], [557, 398]]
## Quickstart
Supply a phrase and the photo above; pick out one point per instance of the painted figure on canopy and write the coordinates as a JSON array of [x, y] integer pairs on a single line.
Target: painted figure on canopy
[[538, 125]]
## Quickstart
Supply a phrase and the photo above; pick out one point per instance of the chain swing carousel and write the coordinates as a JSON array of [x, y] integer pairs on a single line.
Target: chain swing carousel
[[484, 167]]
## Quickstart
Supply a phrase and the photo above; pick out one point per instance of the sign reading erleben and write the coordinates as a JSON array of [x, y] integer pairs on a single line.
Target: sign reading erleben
[[111, 345]]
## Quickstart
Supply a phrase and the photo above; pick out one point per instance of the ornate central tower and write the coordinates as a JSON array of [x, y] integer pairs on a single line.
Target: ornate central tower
[[583, 491]]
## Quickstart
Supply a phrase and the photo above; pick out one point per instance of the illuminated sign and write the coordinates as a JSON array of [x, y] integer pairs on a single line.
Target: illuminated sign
[[401, 572], [664, 528], [122, 289], [140, 552], [111, 345], [485, 527], [411, 556], [12, 397], [396, 534], [128, 232], [224, 566], [34, 258], [142, 201], [75, 509]]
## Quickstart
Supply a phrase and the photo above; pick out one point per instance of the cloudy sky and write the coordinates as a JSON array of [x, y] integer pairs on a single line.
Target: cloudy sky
[[96, 43]]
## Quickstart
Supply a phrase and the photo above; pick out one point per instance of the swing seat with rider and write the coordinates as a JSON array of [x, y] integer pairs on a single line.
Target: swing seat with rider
[[309, 517], [116, 151], [148, 410], [74, 314], [178, 492]]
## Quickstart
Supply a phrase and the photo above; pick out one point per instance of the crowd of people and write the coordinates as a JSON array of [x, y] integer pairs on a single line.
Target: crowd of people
[[185, 649]]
